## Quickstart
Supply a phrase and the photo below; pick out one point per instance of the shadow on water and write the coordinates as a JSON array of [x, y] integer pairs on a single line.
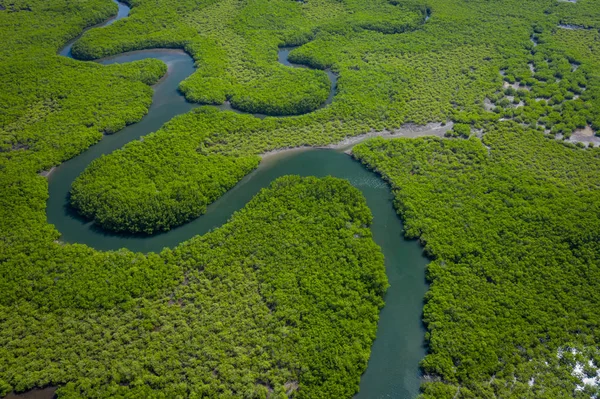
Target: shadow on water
[[393, 370]]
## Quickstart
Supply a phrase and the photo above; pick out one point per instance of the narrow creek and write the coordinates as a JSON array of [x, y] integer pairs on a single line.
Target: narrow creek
[[393, 369]]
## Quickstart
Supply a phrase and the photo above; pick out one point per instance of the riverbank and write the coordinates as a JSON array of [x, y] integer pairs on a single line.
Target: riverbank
[[46, 173], [393, 368], [407, 131], [40, 393], [122, 12]]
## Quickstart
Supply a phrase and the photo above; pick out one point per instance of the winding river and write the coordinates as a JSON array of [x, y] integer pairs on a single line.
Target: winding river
[[393, 370]]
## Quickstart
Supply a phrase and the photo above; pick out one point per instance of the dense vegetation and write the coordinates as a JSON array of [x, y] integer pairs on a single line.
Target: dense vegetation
[[282, 301], [512, 227], [168, 181], [473, 64], [235, 43], [514, 280], [53, 107], [246, 311]]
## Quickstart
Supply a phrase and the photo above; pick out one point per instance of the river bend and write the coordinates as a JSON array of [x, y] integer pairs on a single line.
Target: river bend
[[393, 370]]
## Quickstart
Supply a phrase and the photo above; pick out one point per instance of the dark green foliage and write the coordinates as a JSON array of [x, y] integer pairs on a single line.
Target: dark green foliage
[[514, 237]]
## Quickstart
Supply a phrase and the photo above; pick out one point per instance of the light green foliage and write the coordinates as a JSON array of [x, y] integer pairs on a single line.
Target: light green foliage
[[47, 118], [282, 301], [514, 237], [39, 27], [250, 310], [159, 182], [558, 92], [234, 43], [585, 14], [438, 70], [459, 130], [513, 232], [52, 108], [557, 88]]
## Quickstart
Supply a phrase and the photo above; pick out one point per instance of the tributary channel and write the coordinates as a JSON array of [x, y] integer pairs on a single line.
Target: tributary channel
[[393, 370]]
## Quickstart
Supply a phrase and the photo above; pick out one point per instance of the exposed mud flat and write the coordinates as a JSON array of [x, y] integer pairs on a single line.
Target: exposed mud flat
[[585, 135], [573, 27], [42, 393], [407, 131], [46, 173]]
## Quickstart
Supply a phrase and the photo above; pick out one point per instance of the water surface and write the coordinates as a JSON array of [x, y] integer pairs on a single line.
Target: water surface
[[121, 13], [393, 370]]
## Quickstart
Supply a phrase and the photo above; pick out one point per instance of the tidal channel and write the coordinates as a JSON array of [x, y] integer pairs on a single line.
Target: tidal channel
[[393, 369]]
